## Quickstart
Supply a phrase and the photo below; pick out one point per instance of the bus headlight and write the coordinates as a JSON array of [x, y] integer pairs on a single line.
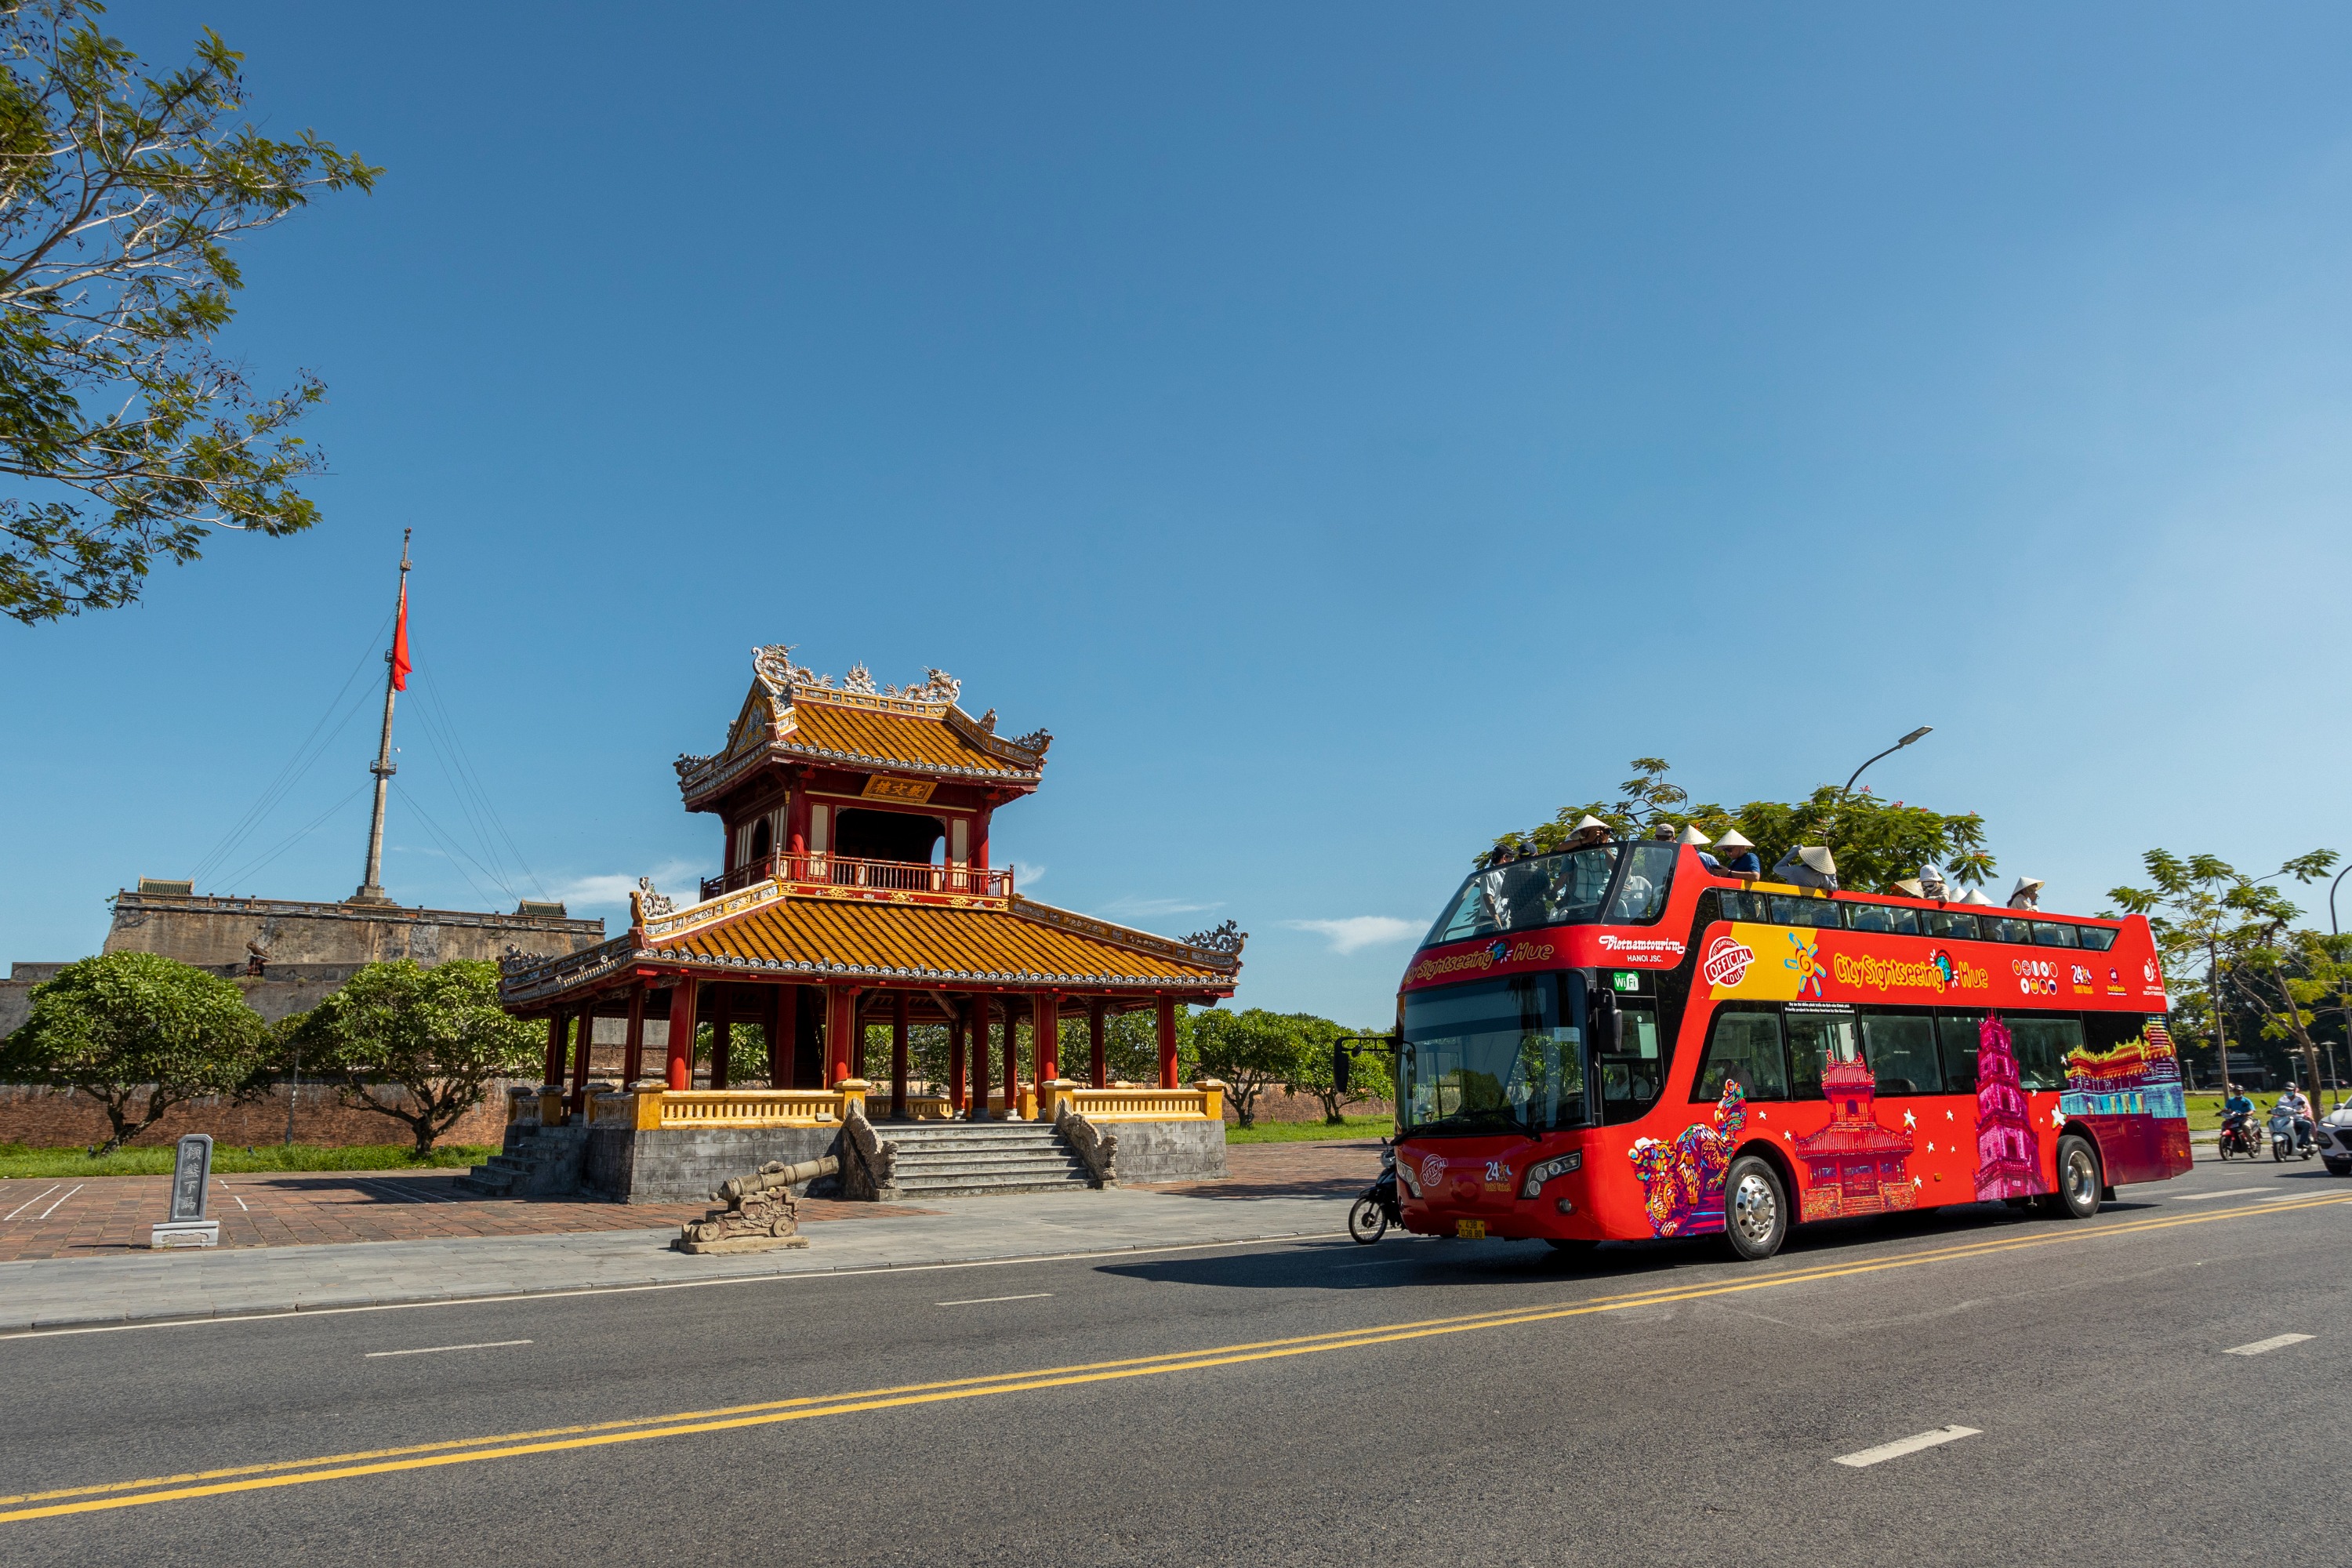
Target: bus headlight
[[1406, 1180], [1537, 1174]]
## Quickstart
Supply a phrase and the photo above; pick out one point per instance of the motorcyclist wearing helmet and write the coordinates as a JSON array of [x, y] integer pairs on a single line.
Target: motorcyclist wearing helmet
[[2293, 1104]]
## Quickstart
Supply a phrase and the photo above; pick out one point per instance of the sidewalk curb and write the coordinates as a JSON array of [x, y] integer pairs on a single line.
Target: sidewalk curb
[[129, 1318]]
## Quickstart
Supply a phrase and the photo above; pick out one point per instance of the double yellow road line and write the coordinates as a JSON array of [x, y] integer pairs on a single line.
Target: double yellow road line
[[689, 1423]]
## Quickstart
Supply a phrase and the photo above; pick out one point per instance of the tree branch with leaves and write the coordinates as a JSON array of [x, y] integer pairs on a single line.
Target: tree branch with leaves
[[421, 1047], [122, 192]]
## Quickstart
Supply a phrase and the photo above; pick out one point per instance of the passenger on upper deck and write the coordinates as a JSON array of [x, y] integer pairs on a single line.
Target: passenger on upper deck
[[1742, 860], [1808, 866], [2027, 894], [1590, 831]]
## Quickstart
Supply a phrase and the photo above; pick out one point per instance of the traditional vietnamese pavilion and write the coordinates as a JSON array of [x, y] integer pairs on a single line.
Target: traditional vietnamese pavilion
[[858, 890]]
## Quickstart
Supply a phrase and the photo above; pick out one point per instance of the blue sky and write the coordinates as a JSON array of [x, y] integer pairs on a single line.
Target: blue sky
[[1353, 431]]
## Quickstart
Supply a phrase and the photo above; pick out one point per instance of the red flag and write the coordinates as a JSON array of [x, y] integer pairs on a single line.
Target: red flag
[[400, 665]]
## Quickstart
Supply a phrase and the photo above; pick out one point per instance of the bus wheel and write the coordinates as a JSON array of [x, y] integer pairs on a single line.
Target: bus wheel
[[2079, 1186], [1755, 1209]]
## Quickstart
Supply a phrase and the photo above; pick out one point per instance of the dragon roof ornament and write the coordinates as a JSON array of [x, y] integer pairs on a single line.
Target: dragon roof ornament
[[772, 663]]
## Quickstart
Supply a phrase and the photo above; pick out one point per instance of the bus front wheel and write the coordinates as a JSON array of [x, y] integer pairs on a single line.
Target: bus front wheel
[[1755, 1208], [2079, 1182]]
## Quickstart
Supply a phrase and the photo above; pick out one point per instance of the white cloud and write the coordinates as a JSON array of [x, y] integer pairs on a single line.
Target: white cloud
[[1135, 908], [1025, 876], [680, 880], [1359, 932]]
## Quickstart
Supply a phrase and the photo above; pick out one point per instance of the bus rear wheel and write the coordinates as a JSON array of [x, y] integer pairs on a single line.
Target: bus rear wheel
[[1755, 1209]]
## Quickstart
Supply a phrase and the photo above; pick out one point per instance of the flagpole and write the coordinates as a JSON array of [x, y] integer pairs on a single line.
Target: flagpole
[[395, 678]]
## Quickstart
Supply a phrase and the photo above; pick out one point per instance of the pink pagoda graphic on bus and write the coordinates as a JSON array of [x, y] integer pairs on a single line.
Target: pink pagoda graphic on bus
[[1858, 1164], [1682, 1181], [2009, 1148]]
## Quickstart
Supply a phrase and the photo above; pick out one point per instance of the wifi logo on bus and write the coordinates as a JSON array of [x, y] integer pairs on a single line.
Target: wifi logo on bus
[[1728, 961]]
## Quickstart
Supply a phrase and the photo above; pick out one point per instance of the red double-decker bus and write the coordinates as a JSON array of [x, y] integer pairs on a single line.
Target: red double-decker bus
[[1618, 1042]]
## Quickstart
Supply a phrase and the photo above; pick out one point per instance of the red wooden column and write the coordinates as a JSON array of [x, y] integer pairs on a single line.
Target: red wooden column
[[632, 1059], [681, 1033], [1098, 1069], [979, 1059], [1166, 1040], [955, 1060], [840, 1024], [1011, 1059], [782, 1023], [1047, 1058], [722, 1039], [557, 1023], [899, 1057], [579, 1097]]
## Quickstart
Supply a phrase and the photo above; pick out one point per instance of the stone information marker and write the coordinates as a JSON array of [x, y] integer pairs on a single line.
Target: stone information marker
[[191, 1179]]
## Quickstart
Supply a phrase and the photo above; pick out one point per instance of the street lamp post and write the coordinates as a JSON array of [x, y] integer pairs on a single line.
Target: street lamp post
[[1922, 731]]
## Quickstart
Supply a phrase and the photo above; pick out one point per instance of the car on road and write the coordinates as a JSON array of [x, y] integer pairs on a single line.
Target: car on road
[[2336, 1140]]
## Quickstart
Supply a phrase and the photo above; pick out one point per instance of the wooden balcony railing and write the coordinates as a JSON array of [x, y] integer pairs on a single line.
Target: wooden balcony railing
[[846, 872]]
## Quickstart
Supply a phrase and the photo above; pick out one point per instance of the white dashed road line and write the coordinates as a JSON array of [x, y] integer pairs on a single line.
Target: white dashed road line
[[985, 1300], [1902, 1445], [436, 1350], [2276, 1342]]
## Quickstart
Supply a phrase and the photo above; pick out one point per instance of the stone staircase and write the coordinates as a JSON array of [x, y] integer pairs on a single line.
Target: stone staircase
[[959, 1159], [527, 1167]]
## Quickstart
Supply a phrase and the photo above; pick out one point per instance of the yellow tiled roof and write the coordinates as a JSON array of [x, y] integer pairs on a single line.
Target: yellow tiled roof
[[864, 735], [995, 945]]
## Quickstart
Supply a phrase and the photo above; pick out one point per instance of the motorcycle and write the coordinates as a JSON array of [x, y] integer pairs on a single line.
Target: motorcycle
[[2290, 1134], [2238, 1134], [1372, 1214]]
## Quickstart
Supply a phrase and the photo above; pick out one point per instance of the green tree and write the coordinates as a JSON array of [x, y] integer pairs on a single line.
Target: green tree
[[140, 1034], [120, 195], [1368, 1074], [1875, 842], [2217, 926], [437, 1036], [1250, 1051]]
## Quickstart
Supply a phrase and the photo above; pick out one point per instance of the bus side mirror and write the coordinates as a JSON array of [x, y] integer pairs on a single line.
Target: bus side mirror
[[1609, 1027]]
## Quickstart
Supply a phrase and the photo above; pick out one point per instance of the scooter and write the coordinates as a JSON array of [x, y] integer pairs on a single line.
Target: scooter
[[2290, 1134], [2238, 1134], [1371, 1215]]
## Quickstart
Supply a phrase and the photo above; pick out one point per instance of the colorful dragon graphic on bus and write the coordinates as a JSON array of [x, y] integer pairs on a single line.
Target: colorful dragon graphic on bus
[[1682, 1181]]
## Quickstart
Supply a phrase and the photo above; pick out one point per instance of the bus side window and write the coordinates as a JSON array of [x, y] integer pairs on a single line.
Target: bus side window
[[2042, 1042], [1901, 1049], [1957, 925], [1631, 1076], [1815, 1040], [1960, 1034], [1642, 897], [1745, 1046], [2050, 933], [2098, 939], [1870, 917]]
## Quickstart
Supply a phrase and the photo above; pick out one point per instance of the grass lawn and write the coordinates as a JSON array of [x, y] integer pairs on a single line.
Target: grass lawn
[[228, 1160], [2205, 1109], [1311, 1132]]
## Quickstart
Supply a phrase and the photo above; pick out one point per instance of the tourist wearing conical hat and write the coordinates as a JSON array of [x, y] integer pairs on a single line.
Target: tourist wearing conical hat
[[1739, 855], [1590, 830]]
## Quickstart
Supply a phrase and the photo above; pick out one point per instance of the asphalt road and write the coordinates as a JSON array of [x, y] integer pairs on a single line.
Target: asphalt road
[[1415, 1401]]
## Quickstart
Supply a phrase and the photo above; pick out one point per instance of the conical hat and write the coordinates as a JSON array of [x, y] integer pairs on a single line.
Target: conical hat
[[1732, 842], [1974, 896], [1819, 858], [1589, 820], [2026, 885], [1910, 885], [1693, 835]]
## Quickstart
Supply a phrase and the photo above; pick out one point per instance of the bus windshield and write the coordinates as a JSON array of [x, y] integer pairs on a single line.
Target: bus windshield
[[1494, 1056], [1559, 889]]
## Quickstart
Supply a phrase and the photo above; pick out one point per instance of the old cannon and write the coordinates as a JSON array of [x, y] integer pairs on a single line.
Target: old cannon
[[760, 1214]]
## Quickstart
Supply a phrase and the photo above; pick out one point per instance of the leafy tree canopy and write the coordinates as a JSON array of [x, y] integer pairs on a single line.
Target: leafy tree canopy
[[420, 1046], [1876, 842], [140, 1034], [121, 192]]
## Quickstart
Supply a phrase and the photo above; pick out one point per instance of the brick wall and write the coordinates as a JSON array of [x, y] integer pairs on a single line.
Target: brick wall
[[65, 1119], [1273, 1105]]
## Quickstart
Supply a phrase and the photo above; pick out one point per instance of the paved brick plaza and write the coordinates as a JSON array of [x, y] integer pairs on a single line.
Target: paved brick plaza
[[110, 1215]]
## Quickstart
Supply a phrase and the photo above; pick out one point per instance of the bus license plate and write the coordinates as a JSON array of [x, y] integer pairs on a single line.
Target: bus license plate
[[1470, 1229]]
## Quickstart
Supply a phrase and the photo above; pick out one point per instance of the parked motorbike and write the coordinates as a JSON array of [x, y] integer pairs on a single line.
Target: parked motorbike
[[2238, 1134], [1373, 1213]]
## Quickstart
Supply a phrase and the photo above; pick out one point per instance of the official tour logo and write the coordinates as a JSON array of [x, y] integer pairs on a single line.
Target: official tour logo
[[1728, 961]]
